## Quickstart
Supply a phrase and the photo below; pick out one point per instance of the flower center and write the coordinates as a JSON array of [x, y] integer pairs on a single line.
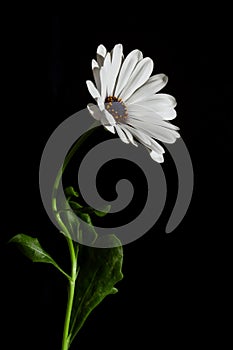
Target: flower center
[[116, 107]]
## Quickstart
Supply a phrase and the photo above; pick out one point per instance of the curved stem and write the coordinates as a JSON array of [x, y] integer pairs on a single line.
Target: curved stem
[[73, 253], [66, 162]]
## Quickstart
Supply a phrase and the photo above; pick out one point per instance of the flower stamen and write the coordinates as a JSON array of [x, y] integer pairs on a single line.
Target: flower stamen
[[116, 107]]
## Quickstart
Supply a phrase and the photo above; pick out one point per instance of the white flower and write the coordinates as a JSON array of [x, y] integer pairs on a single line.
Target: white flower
[[128, 102]]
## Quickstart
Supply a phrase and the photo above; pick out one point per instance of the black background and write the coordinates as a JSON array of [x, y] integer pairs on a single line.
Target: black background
[[175, 287]]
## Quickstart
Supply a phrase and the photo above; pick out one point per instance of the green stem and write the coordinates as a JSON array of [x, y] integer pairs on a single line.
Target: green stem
[[66, 162], [71, 286], [66, 336], [73, 254]]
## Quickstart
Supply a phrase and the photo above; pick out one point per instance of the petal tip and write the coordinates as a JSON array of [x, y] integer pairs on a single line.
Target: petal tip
[[101, 50], [94, 64], [157, 157]]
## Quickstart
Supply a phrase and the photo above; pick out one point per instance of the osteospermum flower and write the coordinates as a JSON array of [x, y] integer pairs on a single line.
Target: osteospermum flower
[[128, 101]]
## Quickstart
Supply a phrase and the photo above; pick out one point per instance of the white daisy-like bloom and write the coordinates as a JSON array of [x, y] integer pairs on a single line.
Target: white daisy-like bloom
[[128, 101]]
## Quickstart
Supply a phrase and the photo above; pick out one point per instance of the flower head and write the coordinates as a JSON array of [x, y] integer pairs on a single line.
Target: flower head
[[128, 101]]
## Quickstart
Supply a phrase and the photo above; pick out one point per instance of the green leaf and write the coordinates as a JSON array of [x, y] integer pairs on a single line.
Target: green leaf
[[75, 226], [103, 212], [88, 210], [32, 249], [75, 205], [100, 270], [70, 192]]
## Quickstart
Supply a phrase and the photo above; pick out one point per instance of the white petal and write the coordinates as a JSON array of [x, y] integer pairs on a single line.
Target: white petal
[[94, 111], [100, 104], [156, 151], [155, 146], [157, 157], [157, 82], [140, 111], [109, 118], [126, 70], [94, 64], [157, 101], [96, 74], [129, 136], [105, 78], [148, 116], [165, 99], [152, 121], [121, 134], [92, 89], [101, 53], [140, 135], [101, 50], [168, 113], [115, 66], [139, 76], [153, 85], [103, 90], [159, 132], [110, 128]]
